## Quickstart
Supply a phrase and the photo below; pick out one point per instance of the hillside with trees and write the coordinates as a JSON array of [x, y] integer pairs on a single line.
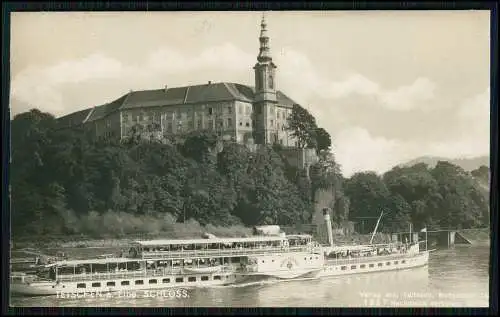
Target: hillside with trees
[[445, 196], [63, 182], [468, 164]]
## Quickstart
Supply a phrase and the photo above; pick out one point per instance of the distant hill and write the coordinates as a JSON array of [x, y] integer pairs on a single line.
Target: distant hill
[[467, 164]]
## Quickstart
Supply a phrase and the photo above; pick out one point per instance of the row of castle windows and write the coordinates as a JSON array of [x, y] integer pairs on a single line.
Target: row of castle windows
[[211, 124], [189, 124], [155, 114], [243, 109]]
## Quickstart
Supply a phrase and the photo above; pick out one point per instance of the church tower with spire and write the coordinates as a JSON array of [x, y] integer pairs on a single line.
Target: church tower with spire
[[265, 90]]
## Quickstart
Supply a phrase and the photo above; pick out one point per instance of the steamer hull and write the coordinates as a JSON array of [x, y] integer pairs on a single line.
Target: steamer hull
[[375, 264], [33, 289]]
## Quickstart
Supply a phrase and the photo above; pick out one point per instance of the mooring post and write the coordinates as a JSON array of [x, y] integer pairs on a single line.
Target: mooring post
[[452, 237]]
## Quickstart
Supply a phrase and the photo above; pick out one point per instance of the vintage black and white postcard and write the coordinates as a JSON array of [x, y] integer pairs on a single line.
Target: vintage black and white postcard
[[250, 159]]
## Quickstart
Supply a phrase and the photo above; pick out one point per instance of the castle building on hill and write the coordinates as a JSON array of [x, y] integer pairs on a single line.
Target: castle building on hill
[[236, 112]]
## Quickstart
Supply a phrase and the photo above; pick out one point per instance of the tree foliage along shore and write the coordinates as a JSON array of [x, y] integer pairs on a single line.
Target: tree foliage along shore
[[64, 182]]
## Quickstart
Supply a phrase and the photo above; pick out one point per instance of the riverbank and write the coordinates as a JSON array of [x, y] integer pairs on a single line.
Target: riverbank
[[82, 246], [475, 236], [190, 229]]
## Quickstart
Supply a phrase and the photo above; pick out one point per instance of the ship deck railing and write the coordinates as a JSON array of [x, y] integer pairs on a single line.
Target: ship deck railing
[[222, 252], [159, 272], [374, 258]]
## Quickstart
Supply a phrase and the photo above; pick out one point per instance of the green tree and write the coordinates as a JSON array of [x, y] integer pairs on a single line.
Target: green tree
[[303, 127], [458, 208], [417, 187], [482, 172], [368, 196], [323, 140]]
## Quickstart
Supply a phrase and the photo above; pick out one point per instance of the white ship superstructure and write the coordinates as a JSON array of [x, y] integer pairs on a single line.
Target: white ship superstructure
[[160, 264]]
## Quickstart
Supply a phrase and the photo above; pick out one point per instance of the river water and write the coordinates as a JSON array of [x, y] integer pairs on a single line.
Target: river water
[[457, 277]]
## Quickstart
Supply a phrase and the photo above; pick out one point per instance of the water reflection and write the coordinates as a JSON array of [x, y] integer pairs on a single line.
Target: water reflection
[[345, 291]]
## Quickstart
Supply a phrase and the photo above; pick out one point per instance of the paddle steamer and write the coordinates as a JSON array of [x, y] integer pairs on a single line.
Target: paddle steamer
[[158, 264], [161, 264]]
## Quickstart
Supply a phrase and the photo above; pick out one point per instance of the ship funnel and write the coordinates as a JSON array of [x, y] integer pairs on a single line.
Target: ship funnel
[[328, 221]]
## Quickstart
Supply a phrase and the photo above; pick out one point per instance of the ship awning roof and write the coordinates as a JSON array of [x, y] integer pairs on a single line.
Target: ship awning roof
[[92, 261], [208, 241]]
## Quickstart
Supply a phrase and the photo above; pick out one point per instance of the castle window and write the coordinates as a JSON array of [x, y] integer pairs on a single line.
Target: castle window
[[272, 123], [229, 123], [210, 111], [271, 82], [229, 109], [200, 123], [247, 124], [241, 123], [240, 109]]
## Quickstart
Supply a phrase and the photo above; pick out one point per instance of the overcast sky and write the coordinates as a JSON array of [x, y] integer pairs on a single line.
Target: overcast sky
[[388, 86]]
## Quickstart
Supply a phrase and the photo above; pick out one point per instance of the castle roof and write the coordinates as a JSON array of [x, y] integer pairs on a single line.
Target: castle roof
[[211, 92]]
